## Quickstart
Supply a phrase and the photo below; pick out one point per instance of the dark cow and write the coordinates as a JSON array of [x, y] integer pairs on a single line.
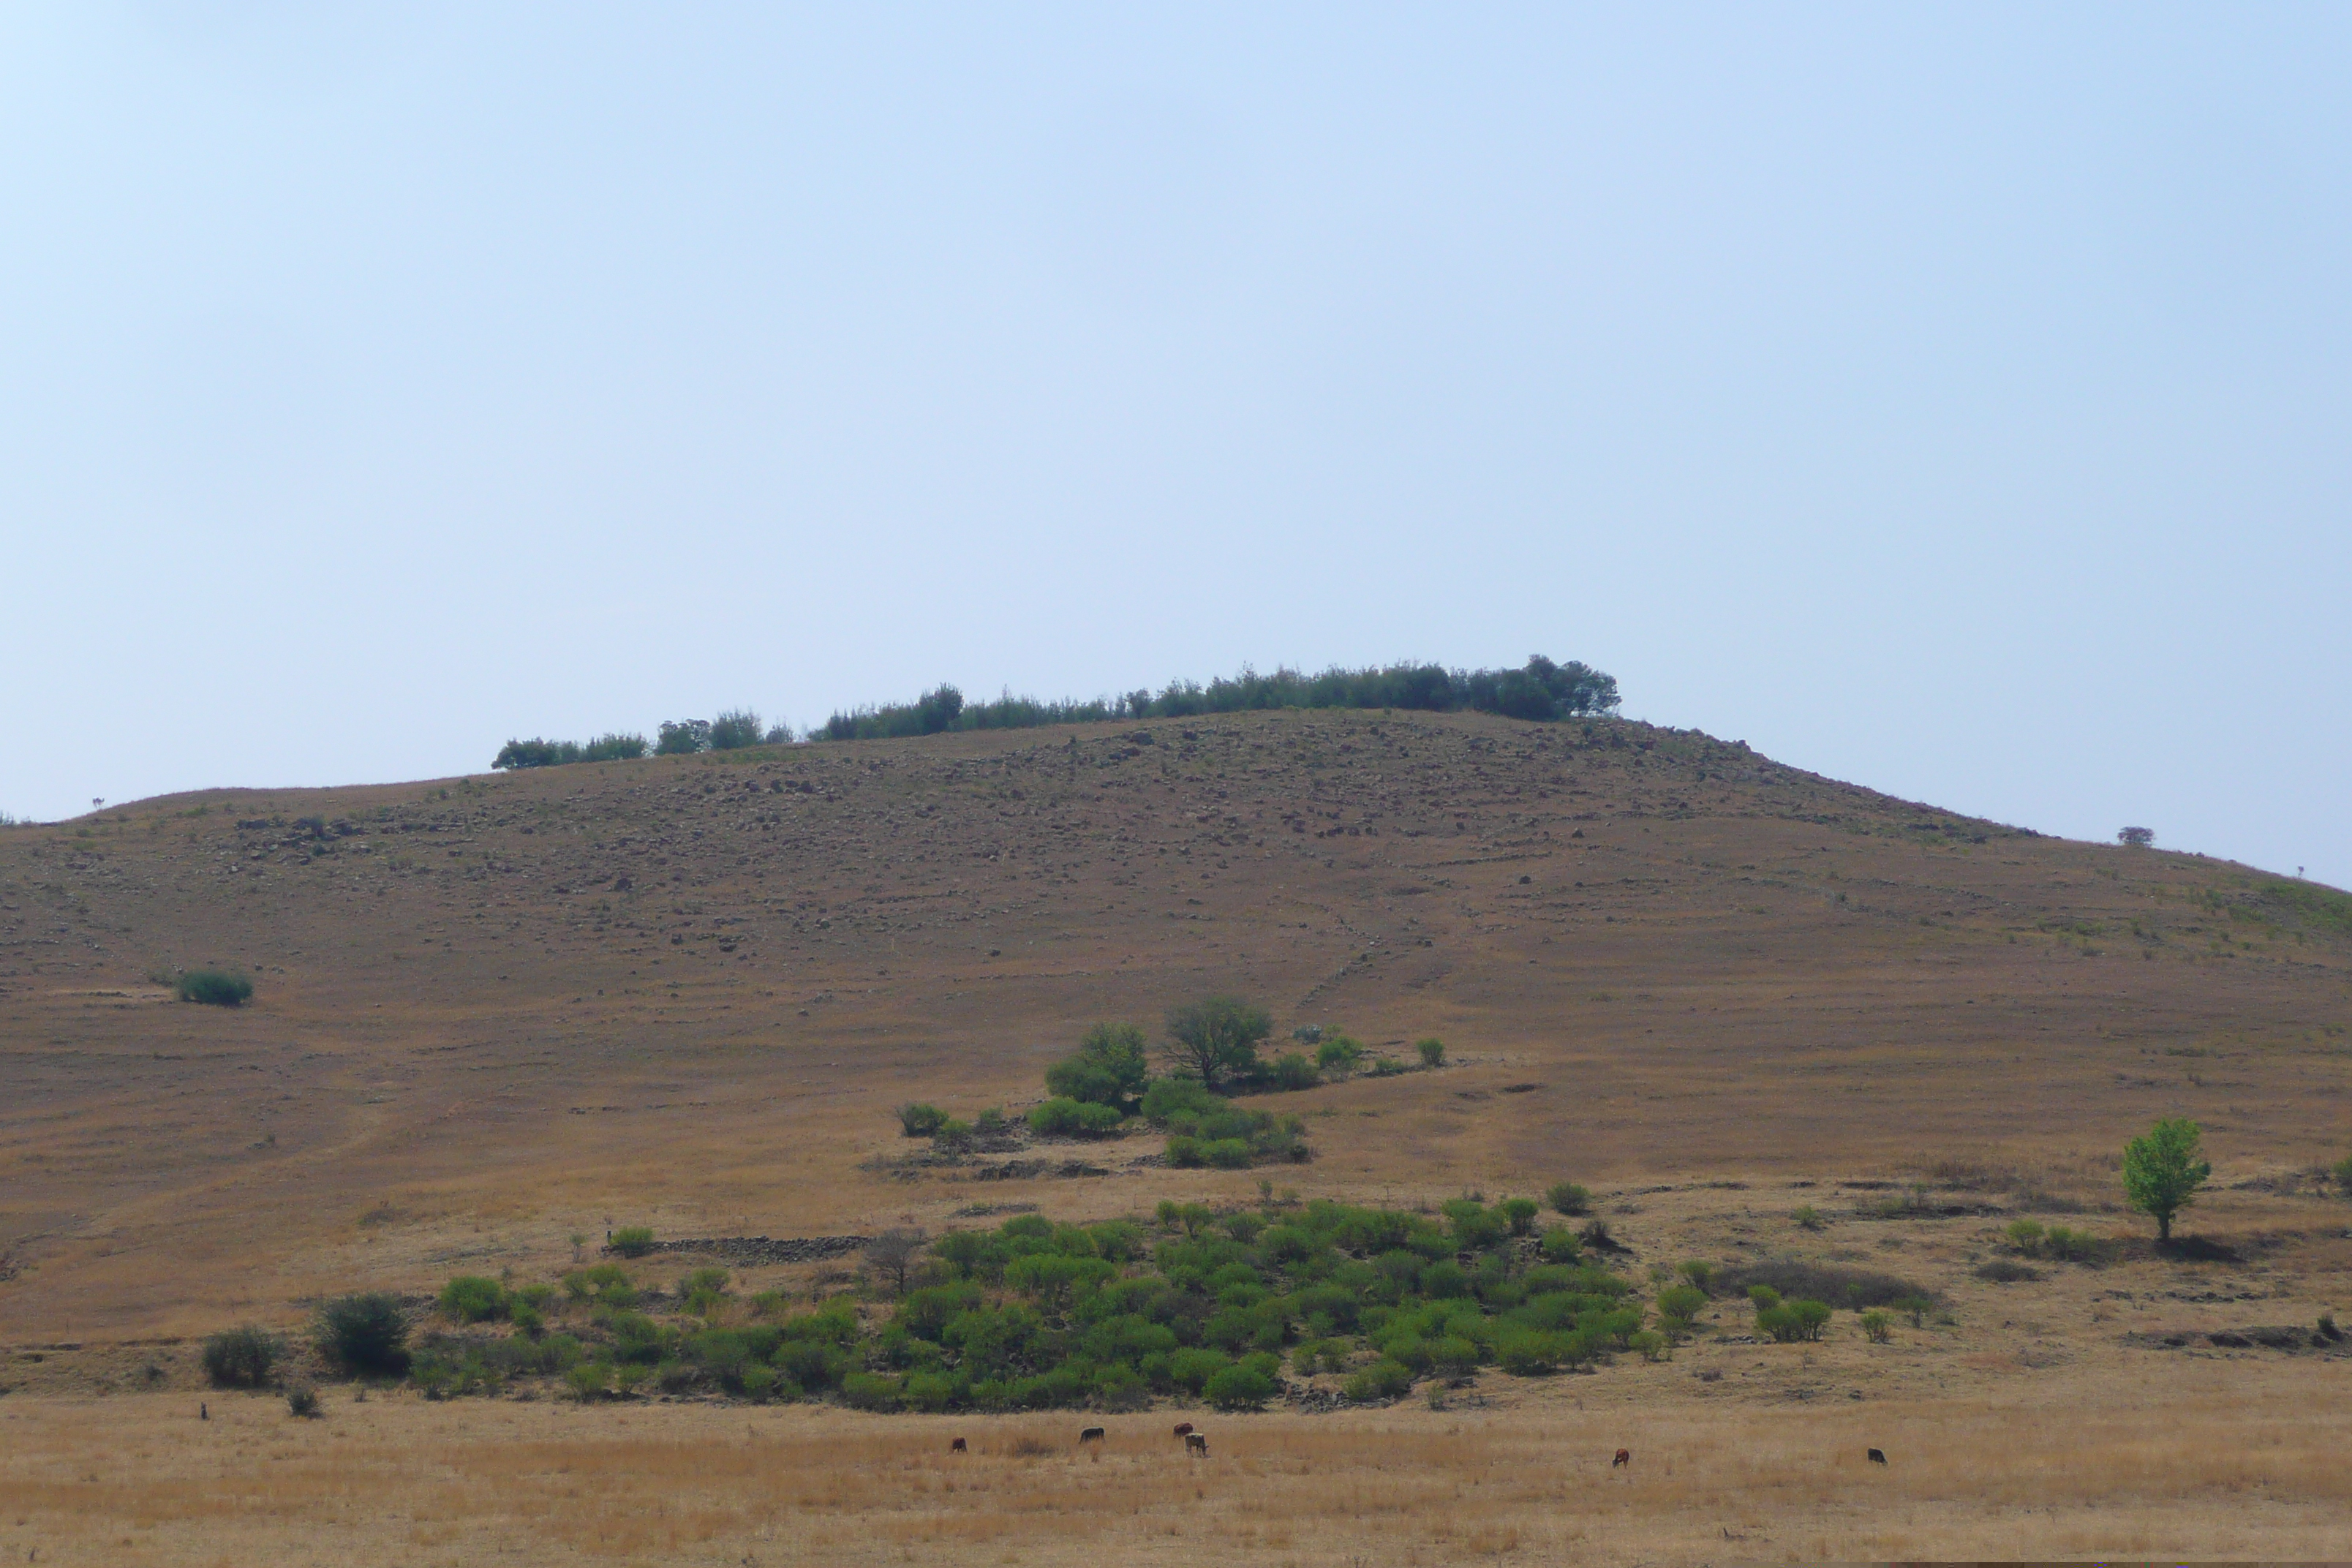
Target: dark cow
[[1196, 1443], [1876, 1457], [1183, 1428], [957, 1447], [203, 1414], [1091, 1435], [1624, 1456]]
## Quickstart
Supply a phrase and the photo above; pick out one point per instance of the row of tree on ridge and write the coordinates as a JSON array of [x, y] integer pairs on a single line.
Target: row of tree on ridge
[[1540, 691]]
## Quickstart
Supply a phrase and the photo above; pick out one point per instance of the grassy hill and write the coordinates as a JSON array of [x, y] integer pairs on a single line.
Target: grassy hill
[[687, 992]]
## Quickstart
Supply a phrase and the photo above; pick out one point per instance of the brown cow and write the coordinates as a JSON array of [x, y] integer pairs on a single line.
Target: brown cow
[[1183, 1428], [1195, 1443], [1624, 1456], [957, 1447], [1091, 1435]]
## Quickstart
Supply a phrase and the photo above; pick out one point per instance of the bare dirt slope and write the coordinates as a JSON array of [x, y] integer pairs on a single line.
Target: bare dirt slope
[[687, 991]]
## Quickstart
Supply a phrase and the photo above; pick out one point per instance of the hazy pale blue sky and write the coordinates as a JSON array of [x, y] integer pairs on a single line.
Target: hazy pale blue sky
[[1952, 400]]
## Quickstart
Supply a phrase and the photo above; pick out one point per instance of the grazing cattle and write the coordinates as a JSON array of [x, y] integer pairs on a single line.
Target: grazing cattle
[[1196, 1443], [957, 1447], [1624, 1456], [1877, 1457], [1183, 1428], [1091, 1435]]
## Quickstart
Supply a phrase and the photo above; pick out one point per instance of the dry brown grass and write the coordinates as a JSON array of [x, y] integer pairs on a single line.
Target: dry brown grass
[[2215, 1465]]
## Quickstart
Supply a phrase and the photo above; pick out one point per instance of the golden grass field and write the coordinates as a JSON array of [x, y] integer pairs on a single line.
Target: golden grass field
[[493, 1013]]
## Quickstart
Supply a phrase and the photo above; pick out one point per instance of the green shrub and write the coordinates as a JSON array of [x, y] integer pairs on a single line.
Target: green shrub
[[1569, 1198], [1807, 1217], [1190, 1368], [474, 1299], [1110, 1068], [1243, 1387], [632, 1240], [302, 1400], [1878, 1325], [701, 1290], [1651, 1346], [917, 1120], [1699, 1272], [2342, 1171], [1293, 1071], [1454, 1356], [1521, 1215], [1433, 1051], [1678, 1308], [1320, 1355], [600, 1284], [1067, 1117], [1337, 1053], [1786, 1322], [1914, 1307], [2025, 1234], [364, 1333], [1165, 1099], [590, 1379], [240, 1357], [1560, 1246], [1386, 1378], [216, 988]]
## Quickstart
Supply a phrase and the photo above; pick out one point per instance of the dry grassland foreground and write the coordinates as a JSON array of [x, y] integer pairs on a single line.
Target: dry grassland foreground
[[2223, 1463], [1773, 1022]]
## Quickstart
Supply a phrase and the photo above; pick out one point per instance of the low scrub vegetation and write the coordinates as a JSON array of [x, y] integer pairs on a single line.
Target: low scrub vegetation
[[2032, 1238], [1851, 1290], [241, 1357], [1192, 1304], [215, 987]]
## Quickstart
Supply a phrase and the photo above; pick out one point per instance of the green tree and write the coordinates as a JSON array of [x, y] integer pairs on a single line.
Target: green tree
[[683, 738], [367, 1333], [1110, 1068], [736, 729], [2162, 1171], [1216, 1039]]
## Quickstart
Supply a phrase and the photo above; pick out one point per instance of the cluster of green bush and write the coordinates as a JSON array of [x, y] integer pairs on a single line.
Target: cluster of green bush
[[1208, 1305], [1213, 1050], [1788, 1322], [1196, 1304], [538, 753], [1539, 690]]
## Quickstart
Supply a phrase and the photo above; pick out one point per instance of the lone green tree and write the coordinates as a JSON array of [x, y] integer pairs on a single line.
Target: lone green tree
[[2162, 1171], [1216, 1039]]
